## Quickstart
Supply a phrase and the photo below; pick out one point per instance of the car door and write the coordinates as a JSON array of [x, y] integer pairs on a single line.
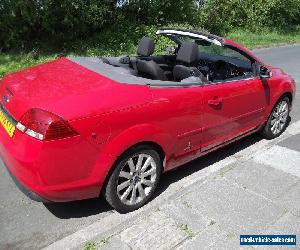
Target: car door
[[177, 110], [231, 108]]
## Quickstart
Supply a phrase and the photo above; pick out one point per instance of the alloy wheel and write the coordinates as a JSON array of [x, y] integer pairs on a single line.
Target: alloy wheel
[[136, 179], [279, 117]]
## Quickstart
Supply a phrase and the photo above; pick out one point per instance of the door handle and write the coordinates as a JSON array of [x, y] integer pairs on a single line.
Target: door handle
[[216, 101]]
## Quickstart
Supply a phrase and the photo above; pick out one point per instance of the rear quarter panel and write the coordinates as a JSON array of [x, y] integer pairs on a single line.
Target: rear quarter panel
[[113, 132]]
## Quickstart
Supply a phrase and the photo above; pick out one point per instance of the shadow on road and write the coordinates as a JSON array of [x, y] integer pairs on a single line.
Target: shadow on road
[[85, 208], [78, 209]]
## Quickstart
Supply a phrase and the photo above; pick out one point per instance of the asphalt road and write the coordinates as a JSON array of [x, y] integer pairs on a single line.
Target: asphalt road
[[31, 225]]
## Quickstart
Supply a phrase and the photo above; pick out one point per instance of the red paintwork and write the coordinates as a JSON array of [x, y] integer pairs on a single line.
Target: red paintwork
[[110, 117]]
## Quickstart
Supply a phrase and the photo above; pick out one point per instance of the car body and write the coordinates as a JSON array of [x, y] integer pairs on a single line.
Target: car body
[[98, 114]]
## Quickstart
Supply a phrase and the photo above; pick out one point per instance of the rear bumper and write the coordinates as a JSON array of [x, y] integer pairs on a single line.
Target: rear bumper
[[32, 195], [58, 171]]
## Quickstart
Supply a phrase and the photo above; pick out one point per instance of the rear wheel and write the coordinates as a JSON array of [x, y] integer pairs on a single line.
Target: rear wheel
[[278, 119], [134, 179]]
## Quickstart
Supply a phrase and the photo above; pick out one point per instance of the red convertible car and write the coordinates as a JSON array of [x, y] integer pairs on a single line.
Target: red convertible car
[[78, 127]]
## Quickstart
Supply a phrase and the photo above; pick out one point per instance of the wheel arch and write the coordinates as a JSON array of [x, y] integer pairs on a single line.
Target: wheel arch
[[147, 134], [276, 98], [282, 95], [144, 134], [288, 95], [275, 101], [151, 144], [265, 129]]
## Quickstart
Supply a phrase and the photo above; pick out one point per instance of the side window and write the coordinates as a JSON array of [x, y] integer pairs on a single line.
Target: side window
[[223, 51], [239, 66]]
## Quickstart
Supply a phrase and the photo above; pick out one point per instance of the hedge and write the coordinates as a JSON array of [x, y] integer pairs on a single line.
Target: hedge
[[29, 23]]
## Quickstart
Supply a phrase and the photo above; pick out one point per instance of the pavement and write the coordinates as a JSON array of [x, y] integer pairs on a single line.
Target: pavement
[[249, 187], [254, 190]]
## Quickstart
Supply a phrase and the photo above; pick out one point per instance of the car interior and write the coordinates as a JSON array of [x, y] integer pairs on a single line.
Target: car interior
[[190, 59]]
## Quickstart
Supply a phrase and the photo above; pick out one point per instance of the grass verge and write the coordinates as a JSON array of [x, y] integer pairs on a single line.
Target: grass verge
[[11, 62], [122, 43], [265, 37]]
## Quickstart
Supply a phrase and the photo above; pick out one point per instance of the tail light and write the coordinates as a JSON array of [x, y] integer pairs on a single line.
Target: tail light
[[44, 125]]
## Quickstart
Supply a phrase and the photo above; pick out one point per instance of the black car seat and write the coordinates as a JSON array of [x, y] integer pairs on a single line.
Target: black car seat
[[187, 57], [148, 68]]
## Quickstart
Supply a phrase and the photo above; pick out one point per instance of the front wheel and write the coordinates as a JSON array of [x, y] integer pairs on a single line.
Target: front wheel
[[278, 119], [134, 179]]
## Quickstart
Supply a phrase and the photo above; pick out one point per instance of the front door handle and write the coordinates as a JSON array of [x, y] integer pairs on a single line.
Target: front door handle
[[216, 101]]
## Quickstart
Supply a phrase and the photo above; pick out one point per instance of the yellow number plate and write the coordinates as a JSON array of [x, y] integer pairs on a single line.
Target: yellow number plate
[[7, 125]]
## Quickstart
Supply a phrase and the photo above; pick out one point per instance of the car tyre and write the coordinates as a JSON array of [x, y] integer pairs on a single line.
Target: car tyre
[[278, 119], [134, 179]]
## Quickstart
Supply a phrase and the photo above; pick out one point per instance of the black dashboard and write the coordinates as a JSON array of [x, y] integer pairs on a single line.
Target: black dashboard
[[218, 67]]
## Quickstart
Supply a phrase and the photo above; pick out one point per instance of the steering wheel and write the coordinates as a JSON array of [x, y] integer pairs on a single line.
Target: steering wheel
[[221, 70]]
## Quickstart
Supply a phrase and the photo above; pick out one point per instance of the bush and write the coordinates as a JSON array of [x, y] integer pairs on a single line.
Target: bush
[[159, 12], [124, 40], [18, 20], [221, 16], [26, 24], [76, 18], [23, 22]]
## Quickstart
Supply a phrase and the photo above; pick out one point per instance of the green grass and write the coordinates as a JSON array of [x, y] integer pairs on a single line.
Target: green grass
[[122, 43], [188, 231], [211, 222], [90, 246], [97, 244], [10, 62], [265, 37]]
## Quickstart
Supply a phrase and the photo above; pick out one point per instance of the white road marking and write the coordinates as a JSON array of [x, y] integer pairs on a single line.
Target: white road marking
[[281, 158], [294, 128]]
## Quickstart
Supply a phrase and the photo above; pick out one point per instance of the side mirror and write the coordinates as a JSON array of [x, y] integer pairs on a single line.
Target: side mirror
[[264, 73], [171, 49]]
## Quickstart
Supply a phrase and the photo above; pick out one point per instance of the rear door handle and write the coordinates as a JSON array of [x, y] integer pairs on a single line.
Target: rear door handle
[[216, 101]]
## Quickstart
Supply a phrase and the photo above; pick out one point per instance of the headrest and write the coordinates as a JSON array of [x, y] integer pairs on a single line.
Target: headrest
[[188, 53], [145, 47]]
